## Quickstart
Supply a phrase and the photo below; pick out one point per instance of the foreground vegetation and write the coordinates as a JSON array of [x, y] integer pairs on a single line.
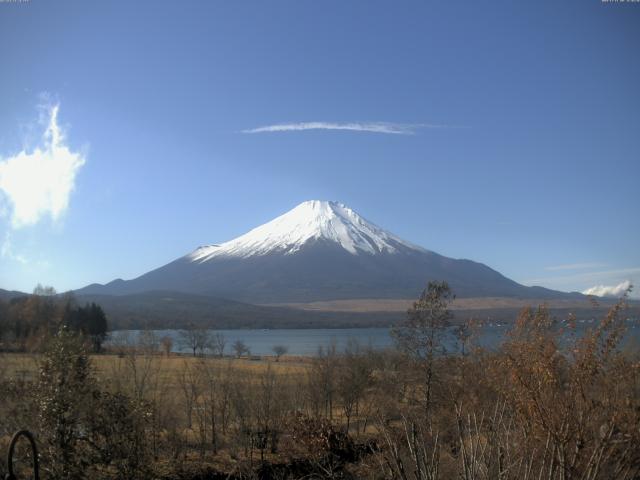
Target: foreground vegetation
[[546, 405]]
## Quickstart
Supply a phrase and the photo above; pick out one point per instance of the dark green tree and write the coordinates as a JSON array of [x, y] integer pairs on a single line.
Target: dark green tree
[[90, 321], [96, 326]]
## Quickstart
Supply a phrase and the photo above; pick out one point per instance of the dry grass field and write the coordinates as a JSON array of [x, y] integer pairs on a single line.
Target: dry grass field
[[368, 305], [25, 365]]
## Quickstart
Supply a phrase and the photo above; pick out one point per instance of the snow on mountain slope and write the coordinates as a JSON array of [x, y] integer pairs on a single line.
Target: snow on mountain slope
[[311, 220]]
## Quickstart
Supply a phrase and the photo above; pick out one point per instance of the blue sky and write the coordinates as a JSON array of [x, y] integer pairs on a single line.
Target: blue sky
[[518, 143]]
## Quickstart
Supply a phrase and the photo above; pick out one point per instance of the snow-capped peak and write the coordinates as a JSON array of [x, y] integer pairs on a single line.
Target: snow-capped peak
[[311, 220]]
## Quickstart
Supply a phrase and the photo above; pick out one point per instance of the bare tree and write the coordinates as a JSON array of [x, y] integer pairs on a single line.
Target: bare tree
[[142, 371], [147, 342], [280, 350], [218, 343], [121, 342], [353, 377], [322, 380], [196, 339], [166, 343], [224, 396], [240, 348], [213, 398], [270, 403], [420, 335], [190, 387]]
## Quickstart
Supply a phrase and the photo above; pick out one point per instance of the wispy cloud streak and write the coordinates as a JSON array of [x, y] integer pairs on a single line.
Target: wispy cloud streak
[[7, 251], [575, 266], [371, 127]]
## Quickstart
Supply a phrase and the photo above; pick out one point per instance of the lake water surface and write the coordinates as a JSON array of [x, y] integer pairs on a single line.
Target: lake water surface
[[306, 342]]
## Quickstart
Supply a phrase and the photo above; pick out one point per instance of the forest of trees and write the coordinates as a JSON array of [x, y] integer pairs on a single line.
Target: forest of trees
[[546, 405], [28, 322]]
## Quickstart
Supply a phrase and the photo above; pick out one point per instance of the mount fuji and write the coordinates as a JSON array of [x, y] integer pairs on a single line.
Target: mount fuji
[[319, 251]]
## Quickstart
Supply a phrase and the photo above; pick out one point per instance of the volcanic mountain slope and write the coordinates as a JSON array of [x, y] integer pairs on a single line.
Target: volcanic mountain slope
[[319, 251]]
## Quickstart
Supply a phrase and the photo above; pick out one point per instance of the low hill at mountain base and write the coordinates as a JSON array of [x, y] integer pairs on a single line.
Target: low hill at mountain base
[[176, 310]]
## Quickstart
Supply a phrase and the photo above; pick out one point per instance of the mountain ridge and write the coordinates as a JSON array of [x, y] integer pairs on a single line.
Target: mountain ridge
[[320, 251]]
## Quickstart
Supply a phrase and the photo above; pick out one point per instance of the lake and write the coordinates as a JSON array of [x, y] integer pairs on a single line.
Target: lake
[[305, 342]]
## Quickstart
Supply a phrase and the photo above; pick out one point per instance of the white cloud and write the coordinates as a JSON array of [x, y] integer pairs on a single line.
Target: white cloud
[[39, 182], [7, 251], [608, 291], [581, 281], [373, 127], [585, 278]]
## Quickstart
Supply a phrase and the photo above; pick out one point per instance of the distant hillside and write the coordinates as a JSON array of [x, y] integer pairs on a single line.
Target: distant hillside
[[9, 294], [175, 310]]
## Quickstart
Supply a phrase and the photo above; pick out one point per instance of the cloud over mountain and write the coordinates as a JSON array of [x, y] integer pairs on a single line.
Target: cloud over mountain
[[609, 290]]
